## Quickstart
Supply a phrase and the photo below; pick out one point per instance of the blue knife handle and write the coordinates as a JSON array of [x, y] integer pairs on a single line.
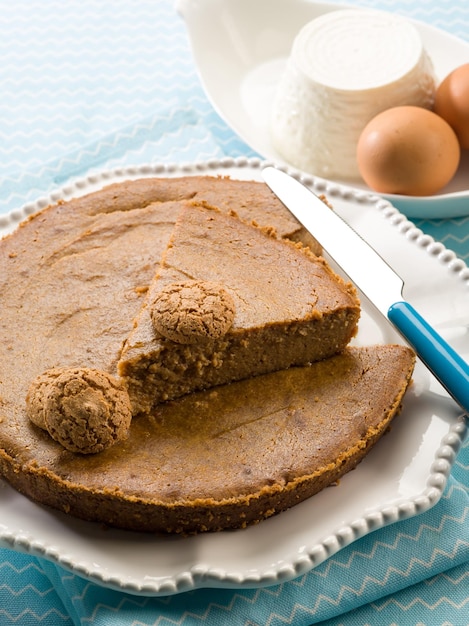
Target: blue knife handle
[[440, 358]]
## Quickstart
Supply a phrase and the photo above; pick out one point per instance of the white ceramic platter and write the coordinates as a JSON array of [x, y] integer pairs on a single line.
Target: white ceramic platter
[[403, 476], [249, 45]]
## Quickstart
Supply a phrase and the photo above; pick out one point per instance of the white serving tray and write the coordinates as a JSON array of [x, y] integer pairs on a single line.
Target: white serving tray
[[402, 477]]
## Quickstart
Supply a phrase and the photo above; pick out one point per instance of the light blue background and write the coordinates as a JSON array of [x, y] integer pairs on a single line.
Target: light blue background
[[91, 84]]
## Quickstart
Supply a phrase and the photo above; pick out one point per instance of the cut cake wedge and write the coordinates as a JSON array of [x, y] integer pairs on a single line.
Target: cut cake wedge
[[287, 308]]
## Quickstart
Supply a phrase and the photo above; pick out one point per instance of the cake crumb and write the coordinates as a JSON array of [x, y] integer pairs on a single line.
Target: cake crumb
[[141, 289]]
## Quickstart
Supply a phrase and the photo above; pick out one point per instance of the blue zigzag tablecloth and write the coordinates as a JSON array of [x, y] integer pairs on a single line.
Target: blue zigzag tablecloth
[[93, 84]]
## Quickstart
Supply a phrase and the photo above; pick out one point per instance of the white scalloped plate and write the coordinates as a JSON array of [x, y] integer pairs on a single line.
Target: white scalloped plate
[[249, 45], [403, 476]]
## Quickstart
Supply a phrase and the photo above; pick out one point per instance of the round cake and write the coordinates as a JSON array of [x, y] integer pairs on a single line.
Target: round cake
[[345, 67], [74, 277]]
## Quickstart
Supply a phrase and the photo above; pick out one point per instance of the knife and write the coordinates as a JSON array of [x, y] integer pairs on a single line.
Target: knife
[[375, 279]]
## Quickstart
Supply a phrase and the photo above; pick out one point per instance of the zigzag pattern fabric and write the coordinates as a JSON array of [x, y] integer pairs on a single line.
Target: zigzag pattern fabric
[[94, 84]]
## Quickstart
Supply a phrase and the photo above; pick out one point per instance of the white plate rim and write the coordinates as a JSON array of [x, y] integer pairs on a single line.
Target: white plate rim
[[195, 575], [448, 203]]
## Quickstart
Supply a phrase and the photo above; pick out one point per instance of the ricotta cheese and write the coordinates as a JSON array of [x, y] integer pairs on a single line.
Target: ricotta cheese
[[345, 67]]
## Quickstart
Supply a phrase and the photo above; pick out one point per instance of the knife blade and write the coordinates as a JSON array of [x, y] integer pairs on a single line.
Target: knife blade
[[375, 279]]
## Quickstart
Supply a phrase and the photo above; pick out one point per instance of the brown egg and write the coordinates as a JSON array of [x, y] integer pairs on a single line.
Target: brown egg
[[452, 102], [408, 150]]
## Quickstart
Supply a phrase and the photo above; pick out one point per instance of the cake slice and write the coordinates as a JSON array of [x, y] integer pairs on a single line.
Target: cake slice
[[231, 301]]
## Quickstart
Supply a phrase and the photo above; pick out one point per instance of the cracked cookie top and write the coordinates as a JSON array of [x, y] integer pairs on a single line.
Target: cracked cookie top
[[191, 311], [83, 409]]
